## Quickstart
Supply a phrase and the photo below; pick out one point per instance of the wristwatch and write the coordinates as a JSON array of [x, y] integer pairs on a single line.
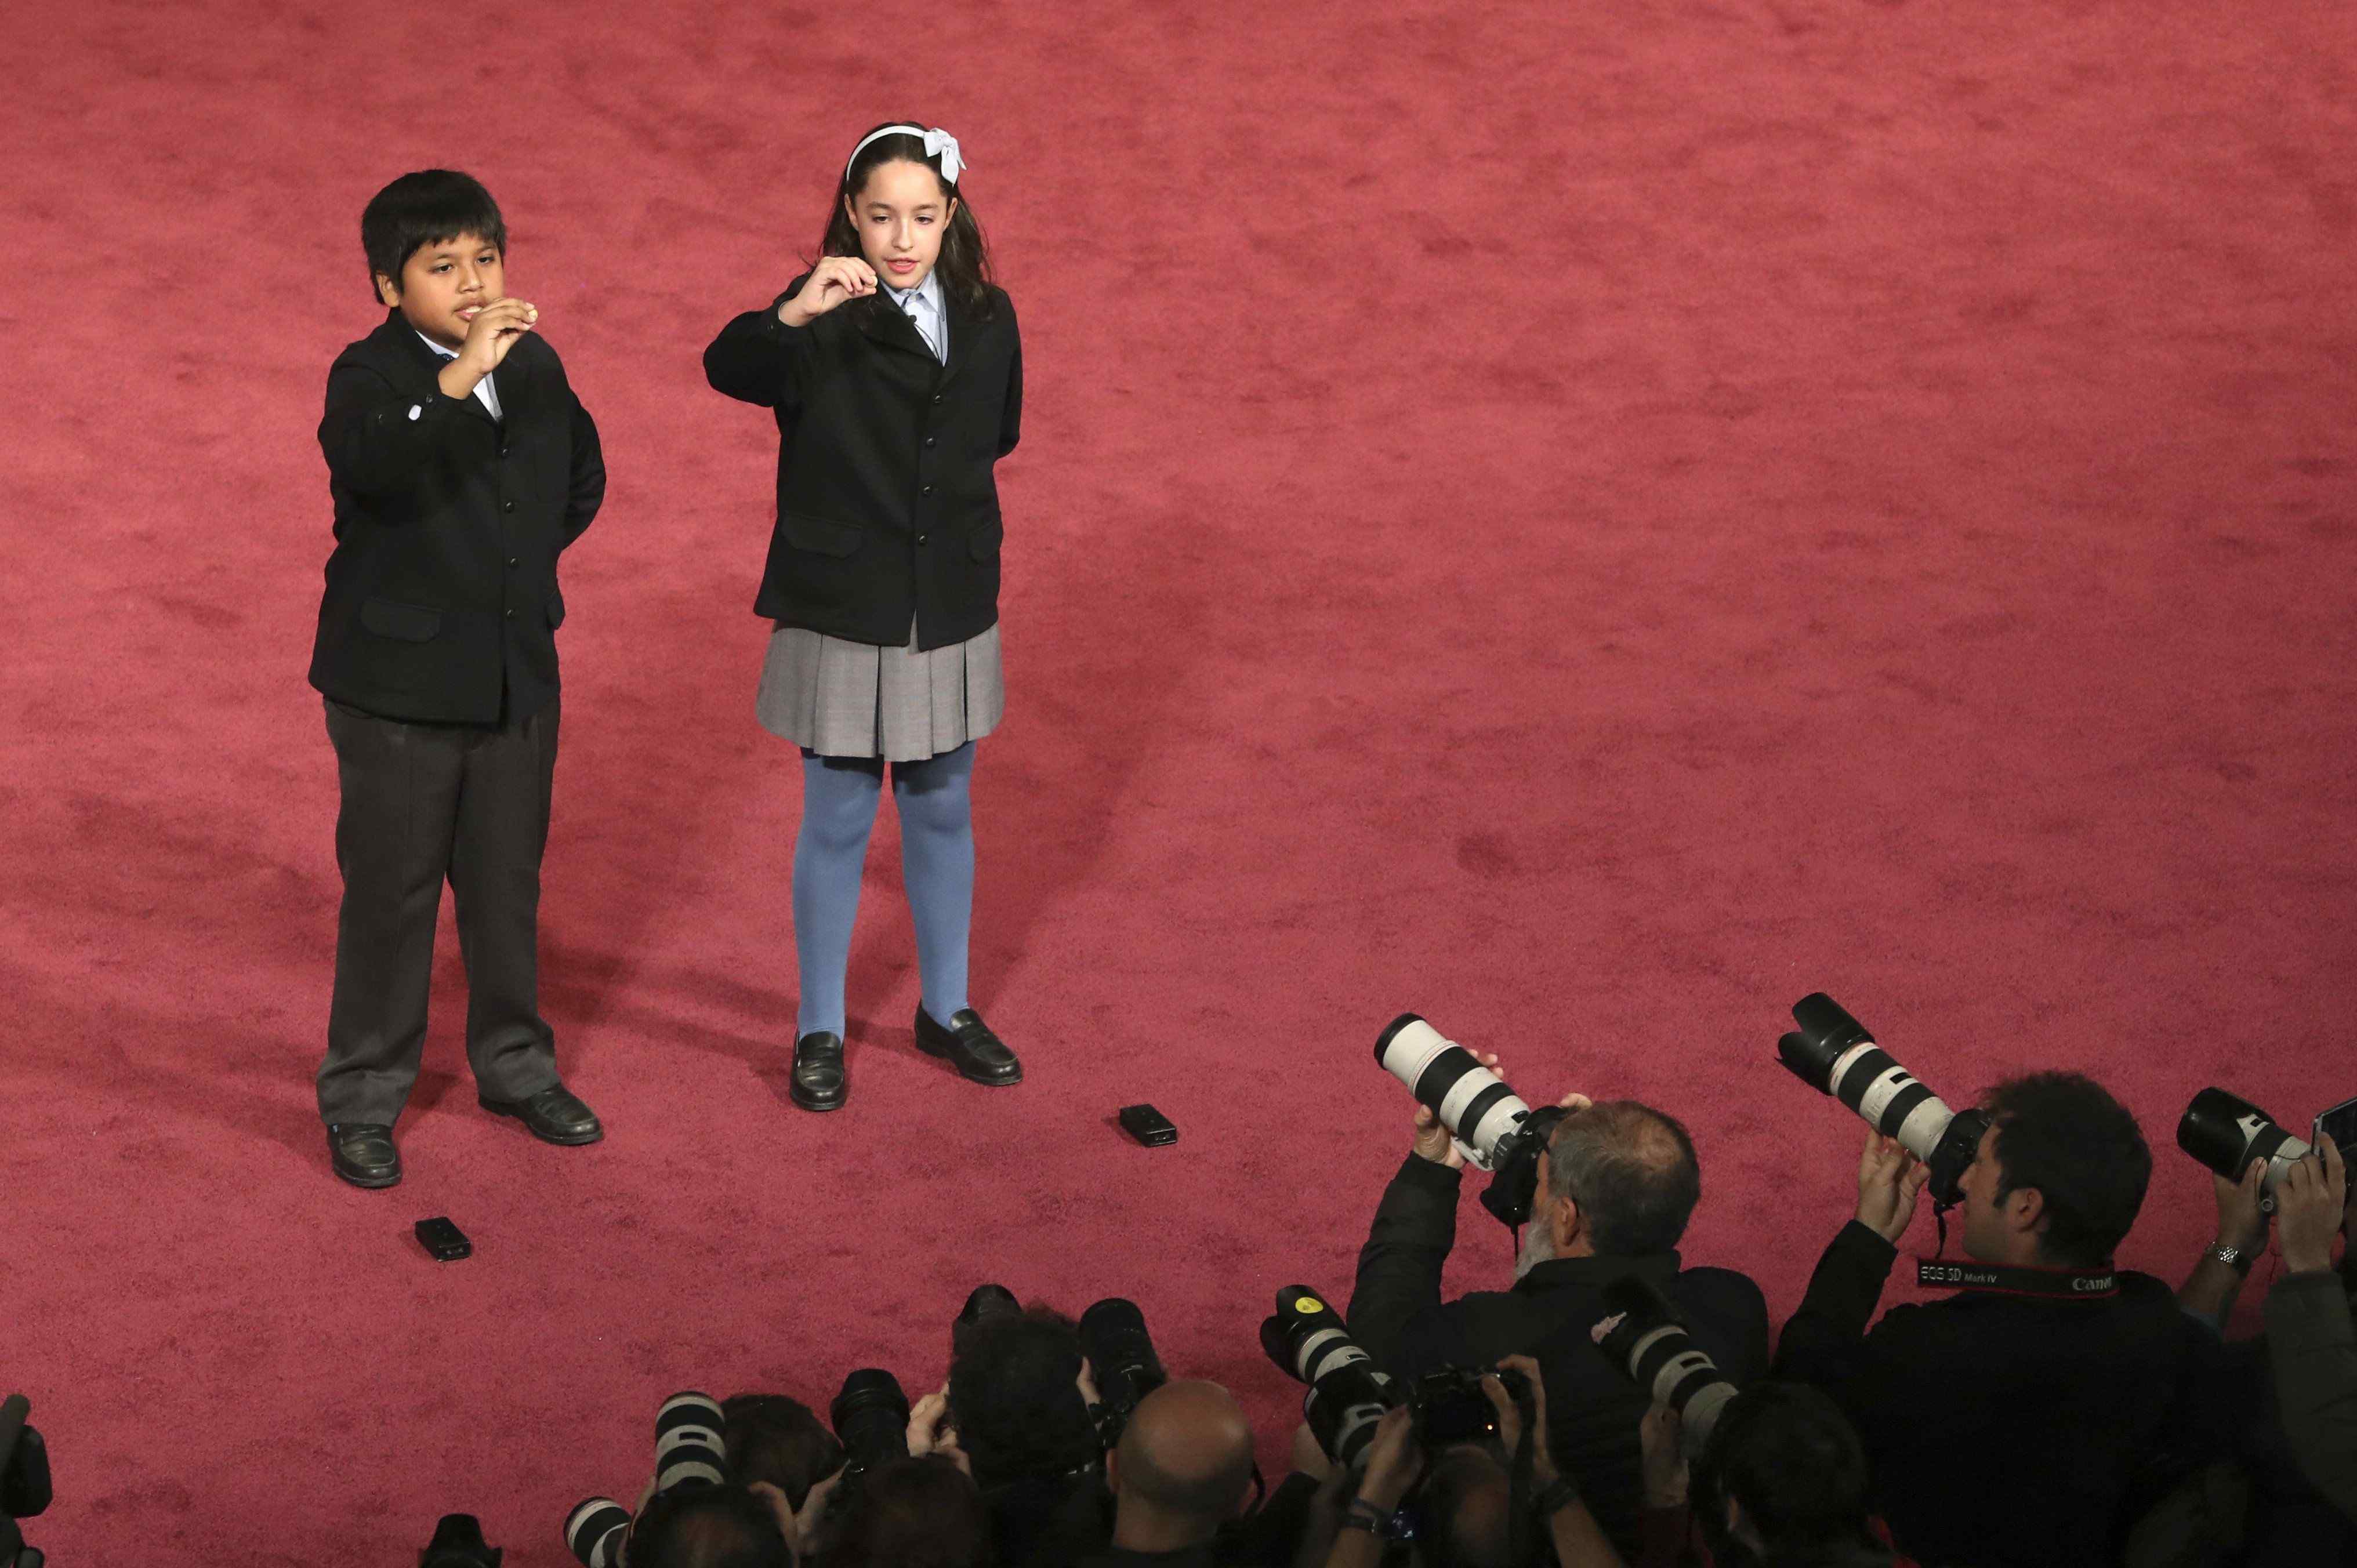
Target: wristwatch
[[1363, 1515], [1555, 1497], [2235, 1258]]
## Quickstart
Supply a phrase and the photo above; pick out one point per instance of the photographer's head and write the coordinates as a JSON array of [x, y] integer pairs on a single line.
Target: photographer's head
[[2059, 1174], [780, 1441], [917, 1513], [1184, 1467], [1782, 1480], [708, 1527], [1618, 1180], [1467, 1501], [1015, 1399]]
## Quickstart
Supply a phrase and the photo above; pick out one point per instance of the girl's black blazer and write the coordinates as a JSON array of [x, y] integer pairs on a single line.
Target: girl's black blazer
[[887, 508]]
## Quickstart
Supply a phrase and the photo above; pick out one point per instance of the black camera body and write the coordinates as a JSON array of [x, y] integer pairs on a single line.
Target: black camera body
[[1451, 1408]]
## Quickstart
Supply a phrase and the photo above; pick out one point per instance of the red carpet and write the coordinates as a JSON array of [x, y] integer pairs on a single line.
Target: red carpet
[[1587, 522]]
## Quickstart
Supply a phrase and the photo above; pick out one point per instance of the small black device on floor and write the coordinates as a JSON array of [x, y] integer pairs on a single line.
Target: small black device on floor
[[1147, 1125], [444, 1241]]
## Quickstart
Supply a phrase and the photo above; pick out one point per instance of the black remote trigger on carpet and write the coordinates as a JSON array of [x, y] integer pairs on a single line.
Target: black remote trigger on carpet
[[444, 1241], [1147, 1125]]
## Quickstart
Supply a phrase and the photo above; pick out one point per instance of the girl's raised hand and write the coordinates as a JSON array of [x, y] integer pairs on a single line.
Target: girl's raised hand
[[833, 281]]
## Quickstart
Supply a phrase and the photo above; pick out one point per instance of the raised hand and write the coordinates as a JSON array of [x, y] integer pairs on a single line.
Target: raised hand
[[1888, 1180], [833, 281], [1393, 1460], [494, 331], [2242, 1223], [2308, 1209]]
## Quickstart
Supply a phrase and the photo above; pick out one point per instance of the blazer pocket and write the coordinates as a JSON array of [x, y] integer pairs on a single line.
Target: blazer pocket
[[403, 623], [982, 541], [821, 535]]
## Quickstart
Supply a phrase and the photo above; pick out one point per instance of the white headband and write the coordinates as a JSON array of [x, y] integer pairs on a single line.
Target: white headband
[[939, 144]]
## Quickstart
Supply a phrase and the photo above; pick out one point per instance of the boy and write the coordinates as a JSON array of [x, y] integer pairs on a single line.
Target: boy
[[460, 464]]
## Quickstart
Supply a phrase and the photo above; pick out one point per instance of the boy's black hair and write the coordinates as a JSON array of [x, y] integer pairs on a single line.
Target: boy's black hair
[[2062, 1134], [964, 262], [425, 207]]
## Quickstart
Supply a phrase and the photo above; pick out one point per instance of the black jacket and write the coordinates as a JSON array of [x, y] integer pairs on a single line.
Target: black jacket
[[887, 508], [441, 603], [2010, 1430], [1593, 1408]]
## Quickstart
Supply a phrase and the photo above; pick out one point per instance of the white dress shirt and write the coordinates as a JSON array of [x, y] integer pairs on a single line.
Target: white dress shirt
[[488, 394], [922, 304]]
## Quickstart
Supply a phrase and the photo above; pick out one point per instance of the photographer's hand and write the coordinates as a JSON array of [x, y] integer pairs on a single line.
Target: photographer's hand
[[1432, 1140], [1393, 1461], [1510, 1420], [1661, 1445], [780, 1507], [931, 1431], [1889, 1179], [2242, 1223], [2309, 1203], [812, 1529], [2209, 1291]]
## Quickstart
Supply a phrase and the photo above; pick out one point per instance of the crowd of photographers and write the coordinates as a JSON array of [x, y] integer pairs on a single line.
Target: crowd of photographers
[[1615, 1405]]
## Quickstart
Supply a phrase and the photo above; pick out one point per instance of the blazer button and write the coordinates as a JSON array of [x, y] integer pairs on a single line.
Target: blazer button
[[920, 539], [928, 489], [507, 506], [931, 442], [511, 612], [512, 560], [937, 397]]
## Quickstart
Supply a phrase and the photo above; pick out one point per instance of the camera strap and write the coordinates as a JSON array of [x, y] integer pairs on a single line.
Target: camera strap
[[2002, 1279]]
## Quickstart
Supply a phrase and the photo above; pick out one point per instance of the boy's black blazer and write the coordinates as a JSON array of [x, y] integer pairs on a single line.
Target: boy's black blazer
[[442, 588], [887, 505]]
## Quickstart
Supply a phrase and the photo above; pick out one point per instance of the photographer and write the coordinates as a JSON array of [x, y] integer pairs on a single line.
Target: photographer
[[1782, 1481], [709, 1527], [1182, 1470], [1466, 1494], [1617, 1184], [1015, 1406], [2021, 1423], [2311, 1340]]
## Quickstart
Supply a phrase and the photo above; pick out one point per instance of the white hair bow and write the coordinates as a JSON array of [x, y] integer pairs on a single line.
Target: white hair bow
[[939, 144]]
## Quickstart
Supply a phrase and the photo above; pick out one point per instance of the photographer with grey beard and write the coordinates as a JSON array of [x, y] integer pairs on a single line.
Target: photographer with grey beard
[[1616, 1185]]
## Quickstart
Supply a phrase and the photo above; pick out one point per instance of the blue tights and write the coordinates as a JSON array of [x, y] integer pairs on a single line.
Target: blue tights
[[839, 801]]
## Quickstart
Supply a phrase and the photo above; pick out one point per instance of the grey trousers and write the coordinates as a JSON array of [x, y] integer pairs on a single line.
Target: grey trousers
[[422, 803]]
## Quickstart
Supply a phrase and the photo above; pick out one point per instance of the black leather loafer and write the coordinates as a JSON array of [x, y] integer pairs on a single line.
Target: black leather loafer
[[362, 1153], [979, 1056], [554, 1116], [820, 1080]]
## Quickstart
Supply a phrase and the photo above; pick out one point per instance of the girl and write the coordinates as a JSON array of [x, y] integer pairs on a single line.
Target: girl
[[896, 376]]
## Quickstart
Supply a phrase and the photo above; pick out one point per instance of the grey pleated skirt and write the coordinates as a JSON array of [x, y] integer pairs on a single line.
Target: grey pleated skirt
[[857, 699]]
